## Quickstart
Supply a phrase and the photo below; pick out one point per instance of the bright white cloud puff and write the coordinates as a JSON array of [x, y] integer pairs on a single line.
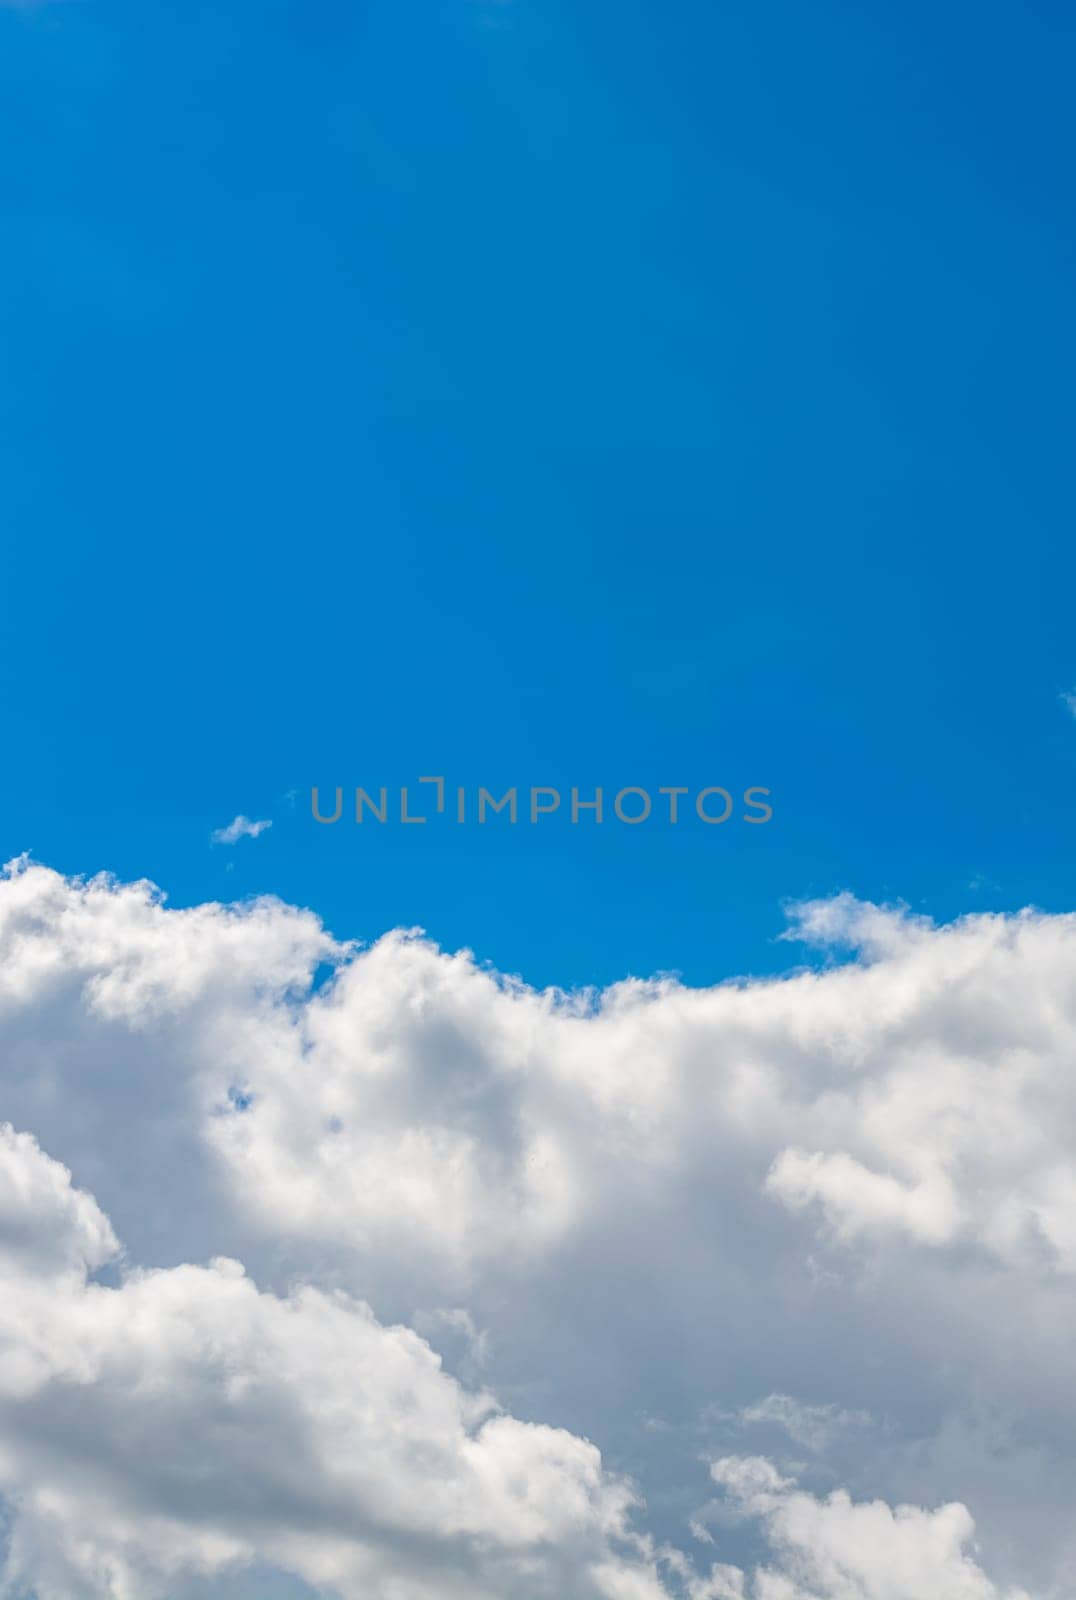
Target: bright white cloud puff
[[833, 1212]]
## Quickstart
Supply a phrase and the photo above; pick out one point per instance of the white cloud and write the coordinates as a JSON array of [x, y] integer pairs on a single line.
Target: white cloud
[[838, 1549], [224, 1423], [855, 1199], [851, 1191], [46, 1227], [1068, 696], [240, 827]]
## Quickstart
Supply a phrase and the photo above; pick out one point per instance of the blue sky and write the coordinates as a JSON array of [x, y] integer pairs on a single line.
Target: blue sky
[[538, 393]]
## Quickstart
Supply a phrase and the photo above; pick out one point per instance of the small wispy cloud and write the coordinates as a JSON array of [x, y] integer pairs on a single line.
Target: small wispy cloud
[[814, 1427], [1068, 697], [239, 828]]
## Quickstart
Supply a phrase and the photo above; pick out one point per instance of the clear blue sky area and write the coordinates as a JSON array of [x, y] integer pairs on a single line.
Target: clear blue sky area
[[542, 393]]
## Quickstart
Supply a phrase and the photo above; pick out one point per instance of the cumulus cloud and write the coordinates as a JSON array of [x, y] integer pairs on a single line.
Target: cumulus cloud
[[240, 827], [224, 1423], [46, 1227], [851, 1190], [836, 1549]]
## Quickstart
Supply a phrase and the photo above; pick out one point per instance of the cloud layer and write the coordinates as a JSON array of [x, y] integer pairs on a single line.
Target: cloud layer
[[819, 1231]]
